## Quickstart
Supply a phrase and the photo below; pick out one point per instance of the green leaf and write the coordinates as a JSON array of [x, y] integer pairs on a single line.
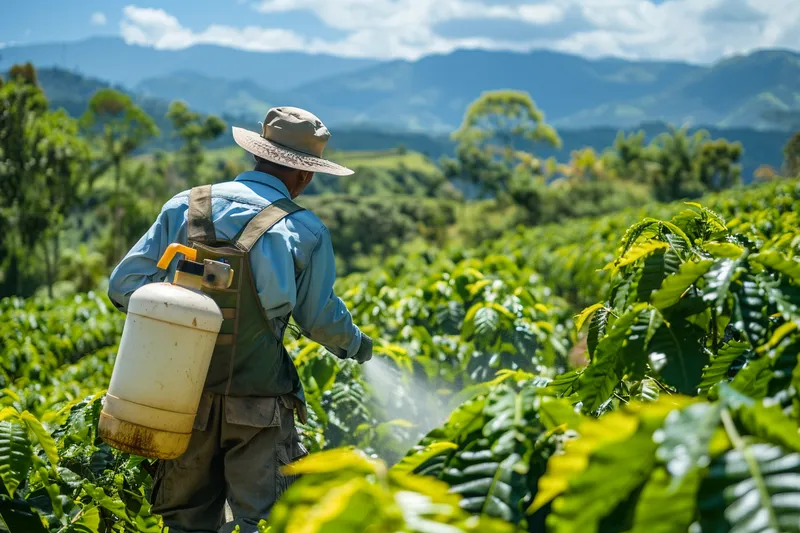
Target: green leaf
[[558, 412], [720, 365], [655, 270], [18, 516], [718, 282], [636, 253], [564, 384], [675, 285], [771, 372], [488, 486], [634, 357], [487, 470], [753, 379], [634, 232], [86, 520], [418, 457], [16, 455], [751, 309], [776, 261], [598, 381], [677, 353], [683, 441], [598, 489], [586, 314], [676, 231], [603, 374], [730, 499], [648, 390], [487, 322], [450, 317], [45, 440], [597, 329], [663, 508], [770, 423], [562, 468], [724, 250], [106, 501]]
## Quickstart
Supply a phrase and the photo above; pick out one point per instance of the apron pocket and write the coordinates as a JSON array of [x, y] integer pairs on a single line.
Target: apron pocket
[[252, 412]]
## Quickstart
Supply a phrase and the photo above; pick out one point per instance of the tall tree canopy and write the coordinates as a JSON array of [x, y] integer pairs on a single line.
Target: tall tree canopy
[[120, 127], [44, 164], [791, 156], [193, 129], [497, 135]]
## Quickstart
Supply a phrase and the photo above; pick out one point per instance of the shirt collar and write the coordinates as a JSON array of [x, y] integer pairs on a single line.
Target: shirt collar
[[264, 179]]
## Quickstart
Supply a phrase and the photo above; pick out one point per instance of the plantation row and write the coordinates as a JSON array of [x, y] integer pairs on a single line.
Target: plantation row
[[686, 413]]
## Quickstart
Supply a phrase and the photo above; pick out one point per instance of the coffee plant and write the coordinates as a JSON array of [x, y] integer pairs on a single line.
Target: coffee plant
[[633, 373]]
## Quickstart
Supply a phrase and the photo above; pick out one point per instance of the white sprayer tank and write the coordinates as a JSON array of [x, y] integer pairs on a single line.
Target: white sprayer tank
[[161, 366]]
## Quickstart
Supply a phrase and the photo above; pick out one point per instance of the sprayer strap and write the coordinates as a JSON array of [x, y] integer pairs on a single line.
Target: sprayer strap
[[263, 221], [201, 225]]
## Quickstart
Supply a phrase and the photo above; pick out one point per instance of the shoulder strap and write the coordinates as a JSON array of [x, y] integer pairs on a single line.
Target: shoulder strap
[[263, 221], [201, 225]]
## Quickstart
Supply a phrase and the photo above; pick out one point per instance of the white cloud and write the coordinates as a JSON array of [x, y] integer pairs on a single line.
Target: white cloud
[[159, 29], [98, 19], [693, 30]]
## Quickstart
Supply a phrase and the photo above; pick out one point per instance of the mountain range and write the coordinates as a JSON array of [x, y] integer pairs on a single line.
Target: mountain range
[[431, 94], [65, 89]]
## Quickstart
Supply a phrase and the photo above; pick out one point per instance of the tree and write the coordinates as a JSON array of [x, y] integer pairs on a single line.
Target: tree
[[764, 173], [121, 127], [83, 267], [627, 158], [193, 129], [496, 138], [717, 164], [791, 156], [44, 167], [586, 165]]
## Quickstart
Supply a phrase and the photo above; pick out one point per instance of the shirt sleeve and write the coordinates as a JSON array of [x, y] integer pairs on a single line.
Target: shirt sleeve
[[139, 266], [321, 315]]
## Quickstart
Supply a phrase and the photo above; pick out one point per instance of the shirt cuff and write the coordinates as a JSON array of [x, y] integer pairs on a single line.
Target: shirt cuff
[[352, 350]]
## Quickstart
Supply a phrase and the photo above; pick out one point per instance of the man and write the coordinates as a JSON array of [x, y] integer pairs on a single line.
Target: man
[[284, 266]]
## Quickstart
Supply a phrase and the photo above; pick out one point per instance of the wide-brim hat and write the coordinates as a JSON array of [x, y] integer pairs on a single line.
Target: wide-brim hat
[[291, 137]]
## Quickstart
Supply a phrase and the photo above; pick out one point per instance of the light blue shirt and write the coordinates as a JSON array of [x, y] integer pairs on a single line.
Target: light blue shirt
[[293, 264]]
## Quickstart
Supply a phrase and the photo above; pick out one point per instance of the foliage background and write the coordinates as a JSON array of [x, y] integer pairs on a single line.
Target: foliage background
[[608, 343]]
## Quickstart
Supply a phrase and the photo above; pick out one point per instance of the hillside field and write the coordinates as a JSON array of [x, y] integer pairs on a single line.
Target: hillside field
[[569, 337], [633, 372]]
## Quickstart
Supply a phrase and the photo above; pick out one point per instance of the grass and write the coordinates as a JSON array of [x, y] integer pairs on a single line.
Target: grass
[[388, 159]]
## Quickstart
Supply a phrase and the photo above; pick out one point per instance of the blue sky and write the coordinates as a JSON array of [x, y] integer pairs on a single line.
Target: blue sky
[[690, 30]]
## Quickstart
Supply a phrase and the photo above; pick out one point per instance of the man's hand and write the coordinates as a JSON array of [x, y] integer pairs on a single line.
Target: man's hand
[[364, 352]]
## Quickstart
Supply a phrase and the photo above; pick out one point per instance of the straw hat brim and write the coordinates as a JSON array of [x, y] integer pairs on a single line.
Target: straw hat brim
[[257, 145]]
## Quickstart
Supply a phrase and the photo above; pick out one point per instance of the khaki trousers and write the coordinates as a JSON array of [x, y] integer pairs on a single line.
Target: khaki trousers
[[235, 454]]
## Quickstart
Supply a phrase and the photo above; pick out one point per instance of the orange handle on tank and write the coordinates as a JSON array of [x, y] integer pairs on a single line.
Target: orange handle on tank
[[175, 248]]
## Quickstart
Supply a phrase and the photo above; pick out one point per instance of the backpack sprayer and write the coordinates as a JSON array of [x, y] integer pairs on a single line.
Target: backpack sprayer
[[166, 347]]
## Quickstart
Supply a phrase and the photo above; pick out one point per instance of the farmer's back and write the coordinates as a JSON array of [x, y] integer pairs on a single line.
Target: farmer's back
[[284, 267]]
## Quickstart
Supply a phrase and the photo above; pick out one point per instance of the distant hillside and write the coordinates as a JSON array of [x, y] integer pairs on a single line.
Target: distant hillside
[[212, 94], [744, 90], [430, 95], [761, 147], [71, 91], [110, 58]]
